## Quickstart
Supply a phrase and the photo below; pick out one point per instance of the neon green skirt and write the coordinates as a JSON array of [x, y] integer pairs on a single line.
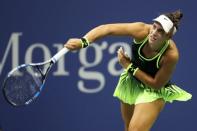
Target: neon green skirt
[[131, 91]]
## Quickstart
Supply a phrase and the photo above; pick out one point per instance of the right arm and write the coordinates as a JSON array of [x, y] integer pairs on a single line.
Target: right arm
[[137, 30]]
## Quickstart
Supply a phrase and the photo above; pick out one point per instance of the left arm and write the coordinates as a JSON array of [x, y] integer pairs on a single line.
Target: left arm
[[167, 66], [162, 76]]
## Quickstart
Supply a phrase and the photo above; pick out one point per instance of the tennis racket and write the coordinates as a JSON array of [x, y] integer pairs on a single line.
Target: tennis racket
[[24, 83]]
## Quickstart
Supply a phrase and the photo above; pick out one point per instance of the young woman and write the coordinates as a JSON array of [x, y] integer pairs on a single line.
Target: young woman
[[144, 87]]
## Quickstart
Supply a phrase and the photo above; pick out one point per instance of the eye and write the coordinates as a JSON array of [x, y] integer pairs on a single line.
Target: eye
[[161, 31], [154, 26]]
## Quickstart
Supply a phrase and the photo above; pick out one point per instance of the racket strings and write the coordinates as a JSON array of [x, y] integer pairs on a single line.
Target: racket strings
[[20, 88]]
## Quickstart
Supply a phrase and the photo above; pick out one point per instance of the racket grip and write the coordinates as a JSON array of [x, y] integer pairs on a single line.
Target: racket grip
[[58, 55]]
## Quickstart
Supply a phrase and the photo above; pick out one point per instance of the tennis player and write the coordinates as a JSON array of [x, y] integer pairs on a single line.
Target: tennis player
[[144, 87]]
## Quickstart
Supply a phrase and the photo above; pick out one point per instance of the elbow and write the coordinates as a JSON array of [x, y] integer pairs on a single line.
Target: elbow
[[108, 29], [157, 86], [105, 29]]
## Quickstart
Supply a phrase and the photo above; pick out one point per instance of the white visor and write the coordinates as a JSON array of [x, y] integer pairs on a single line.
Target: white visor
[[166, 23]]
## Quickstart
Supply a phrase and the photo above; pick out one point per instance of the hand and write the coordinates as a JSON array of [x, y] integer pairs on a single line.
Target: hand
[[123, 58], [73, 44]]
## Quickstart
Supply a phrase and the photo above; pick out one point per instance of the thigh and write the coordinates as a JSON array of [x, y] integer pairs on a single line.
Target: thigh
[[127, 112], [145, 115]]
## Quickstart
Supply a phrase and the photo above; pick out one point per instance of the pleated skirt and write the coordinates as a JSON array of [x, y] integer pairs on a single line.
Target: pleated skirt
[[131, 91]]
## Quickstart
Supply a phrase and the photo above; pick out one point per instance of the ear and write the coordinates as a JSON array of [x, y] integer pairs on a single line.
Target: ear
[[170, 34]]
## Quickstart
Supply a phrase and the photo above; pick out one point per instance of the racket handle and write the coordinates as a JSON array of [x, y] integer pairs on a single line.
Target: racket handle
[[58, 55]]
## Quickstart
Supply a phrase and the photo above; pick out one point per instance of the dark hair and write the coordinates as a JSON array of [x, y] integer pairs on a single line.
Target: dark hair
[[175, 17]]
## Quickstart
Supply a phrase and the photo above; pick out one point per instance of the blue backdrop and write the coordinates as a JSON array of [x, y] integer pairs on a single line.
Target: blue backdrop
[[78, 92]]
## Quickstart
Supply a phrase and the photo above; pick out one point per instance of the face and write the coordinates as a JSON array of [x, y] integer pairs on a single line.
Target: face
[[157, 35]]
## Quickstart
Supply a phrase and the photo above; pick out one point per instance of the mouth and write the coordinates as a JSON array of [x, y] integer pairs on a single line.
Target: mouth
[[152, 38]]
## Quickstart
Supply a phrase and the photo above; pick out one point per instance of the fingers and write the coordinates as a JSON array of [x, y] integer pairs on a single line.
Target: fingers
[[120, 50], [123, 58], [125, 53], [121, 53], [73, 44]]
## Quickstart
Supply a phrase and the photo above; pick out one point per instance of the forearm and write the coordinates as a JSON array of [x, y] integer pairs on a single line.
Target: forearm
[[147, 79]]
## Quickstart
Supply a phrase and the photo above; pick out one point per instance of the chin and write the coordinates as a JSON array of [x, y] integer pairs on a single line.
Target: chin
[[150, 41]]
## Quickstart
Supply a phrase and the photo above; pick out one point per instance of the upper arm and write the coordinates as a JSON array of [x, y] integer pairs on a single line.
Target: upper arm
[[137, 30], [166, 68]]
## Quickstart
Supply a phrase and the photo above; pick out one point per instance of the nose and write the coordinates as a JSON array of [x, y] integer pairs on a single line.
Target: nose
[[154, 32]]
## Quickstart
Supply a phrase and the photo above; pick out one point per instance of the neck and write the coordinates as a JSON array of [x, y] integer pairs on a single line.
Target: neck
[[157, 47]]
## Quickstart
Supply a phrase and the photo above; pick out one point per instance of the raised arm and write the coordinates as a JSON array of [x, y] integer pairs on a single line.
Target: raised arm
[[137, 30]]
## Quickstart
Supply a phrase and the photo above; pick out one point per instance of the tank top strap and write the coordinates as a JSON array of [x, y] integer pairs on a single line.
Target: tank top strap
[[162, 51], [140, 42]]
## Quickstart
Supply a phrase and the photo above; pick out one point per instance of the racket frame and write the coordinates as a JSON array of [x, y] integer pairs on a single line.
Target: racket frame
[[52, 61]]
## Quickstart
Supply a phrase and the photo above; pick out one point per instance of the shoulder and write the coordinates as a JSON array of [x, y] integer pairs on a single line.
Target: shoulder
[[142, 30], [171, 55]]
